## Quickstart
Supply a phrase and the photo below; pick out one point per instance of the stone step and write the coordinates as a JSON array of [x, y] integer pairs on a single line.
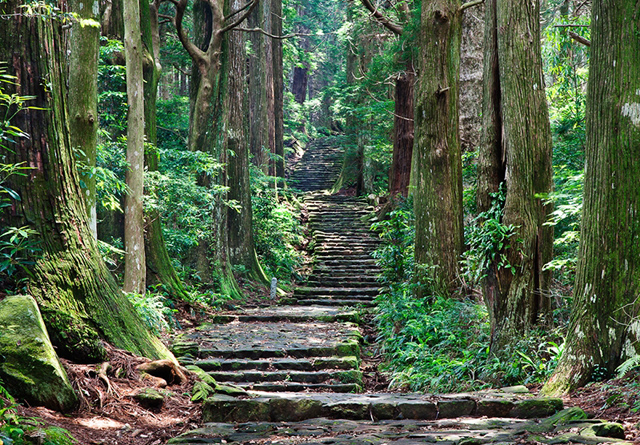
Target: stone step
[[330, 291], [312, 377], [342, 282], [336, 302], [301, 387], [566, 426], [296, 364], [271, 406], [268, 340], [287, 313]]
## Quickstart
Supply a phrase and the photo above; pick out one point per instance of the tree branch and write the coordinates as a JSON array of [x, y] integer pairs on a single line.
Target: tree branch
[[195, 52], [570, 26], [238, 11], [381, 18], [244, 15], [471, 4], [579, 39], [262, 31]]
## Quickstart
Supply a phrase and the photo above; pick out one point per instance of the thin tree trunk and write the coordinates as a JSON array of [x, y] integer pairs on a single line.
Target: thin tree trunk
[[70, 280], [135, 264], [159, 266], [604, 327], [436, 170], [83, 97], [516, 151]]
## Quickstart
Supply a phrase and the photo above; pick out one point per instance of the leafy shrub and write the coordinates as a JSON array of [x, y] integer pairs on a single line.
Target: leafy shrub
[[154, 310], [276, 228]]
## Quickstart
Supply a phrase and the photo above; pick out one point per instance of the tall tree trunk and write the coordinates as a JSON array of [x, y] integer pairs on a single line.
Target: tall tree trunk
[[436, 170], [516, 151], [70, 280], [259, 90], [159, 266], [134, 264], [403, 129], [112, 19], [604, 326], [278, 88], [84, 45], [300, 83], [232, 92]]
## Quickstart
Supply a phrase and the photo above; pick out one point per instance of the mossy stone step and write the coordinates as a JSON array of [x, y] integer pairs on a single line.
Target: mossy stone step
[[301, 387], [274, 314], [297, 364], [337, 302], [324, 376], [350, 291], [291, 406]]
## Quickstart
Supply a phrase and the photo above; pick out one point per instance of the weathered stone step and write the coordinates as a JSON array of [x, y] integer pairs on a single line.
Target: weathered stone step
[[350, 291], [296, 364], [295, 407], [301, 387], [337, 302], [341, 282], [562, 427], [312, 377], [267, 339], [289, 313]]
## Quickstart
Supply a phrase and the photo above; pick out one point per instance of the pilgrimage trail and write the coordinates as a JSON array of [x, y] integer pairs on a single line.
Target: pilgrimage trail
[[295, 365]]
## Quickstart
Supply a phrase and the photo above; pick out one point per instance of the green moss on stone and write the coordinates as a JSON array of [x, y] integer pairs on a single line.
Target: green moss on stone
[[352, 376], [29, 365]]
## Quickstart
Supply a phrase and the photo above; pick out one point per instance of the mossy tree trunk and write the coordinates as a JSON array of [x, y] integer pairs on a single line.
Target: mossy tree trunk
[[159, 266], [84, 43], [516, 151], [70, 280], [436, 170], [135, 265], [604, 325]]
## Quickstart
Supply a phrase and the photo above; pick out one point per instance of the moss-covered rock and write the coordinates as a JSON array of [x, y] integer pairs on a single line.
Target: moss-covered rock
[[29, 365], [531, 408], [149, 398], [73, 338], [605, 429]]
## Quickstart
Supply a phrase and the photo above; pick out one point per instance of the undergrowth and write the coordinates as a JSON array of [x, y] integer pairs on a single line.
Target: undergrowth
[[441, 344]]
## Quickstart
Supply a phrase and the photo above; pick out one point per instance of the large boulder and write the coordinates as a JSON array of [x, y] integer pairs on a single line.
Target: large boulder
[[29, 366]]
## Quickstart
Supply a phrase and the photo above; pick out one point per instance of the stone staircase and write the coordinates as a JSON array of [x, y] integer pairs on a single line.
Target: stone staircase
[[310, 342], [295, 366]]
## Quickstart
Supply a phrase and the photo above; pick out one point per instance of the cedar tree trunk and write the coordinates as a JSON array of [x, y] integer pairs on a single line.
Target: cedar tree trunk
[[436, 170], [516, 150], [604, 327]]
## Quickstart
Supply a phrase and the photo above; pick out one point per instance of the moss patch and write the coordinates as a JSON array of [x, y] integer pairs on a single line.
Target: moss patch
[[74, 339]]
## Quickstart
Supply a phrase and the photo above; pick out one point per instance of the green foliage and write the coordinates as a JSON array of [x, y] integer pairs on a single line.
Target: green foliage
[[112, 88], [10, 106], [19, 430], [276, 229], [154, 310], [395, 257], [488, 240]]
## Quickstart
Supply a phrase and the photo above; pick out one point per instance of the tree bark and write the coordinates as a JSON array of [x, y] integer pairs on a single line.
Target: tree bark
[[403, 129], [159, 266], [84, 45], [516, 151], [278, 88], [70, 281], [232, 92], [134, 263], [604, 327], [260, 90], [436, 171]]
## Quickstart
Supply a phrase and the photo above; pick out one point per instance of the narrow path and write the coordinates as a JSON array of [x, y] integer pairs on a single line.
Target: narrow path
[[299, 362]]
